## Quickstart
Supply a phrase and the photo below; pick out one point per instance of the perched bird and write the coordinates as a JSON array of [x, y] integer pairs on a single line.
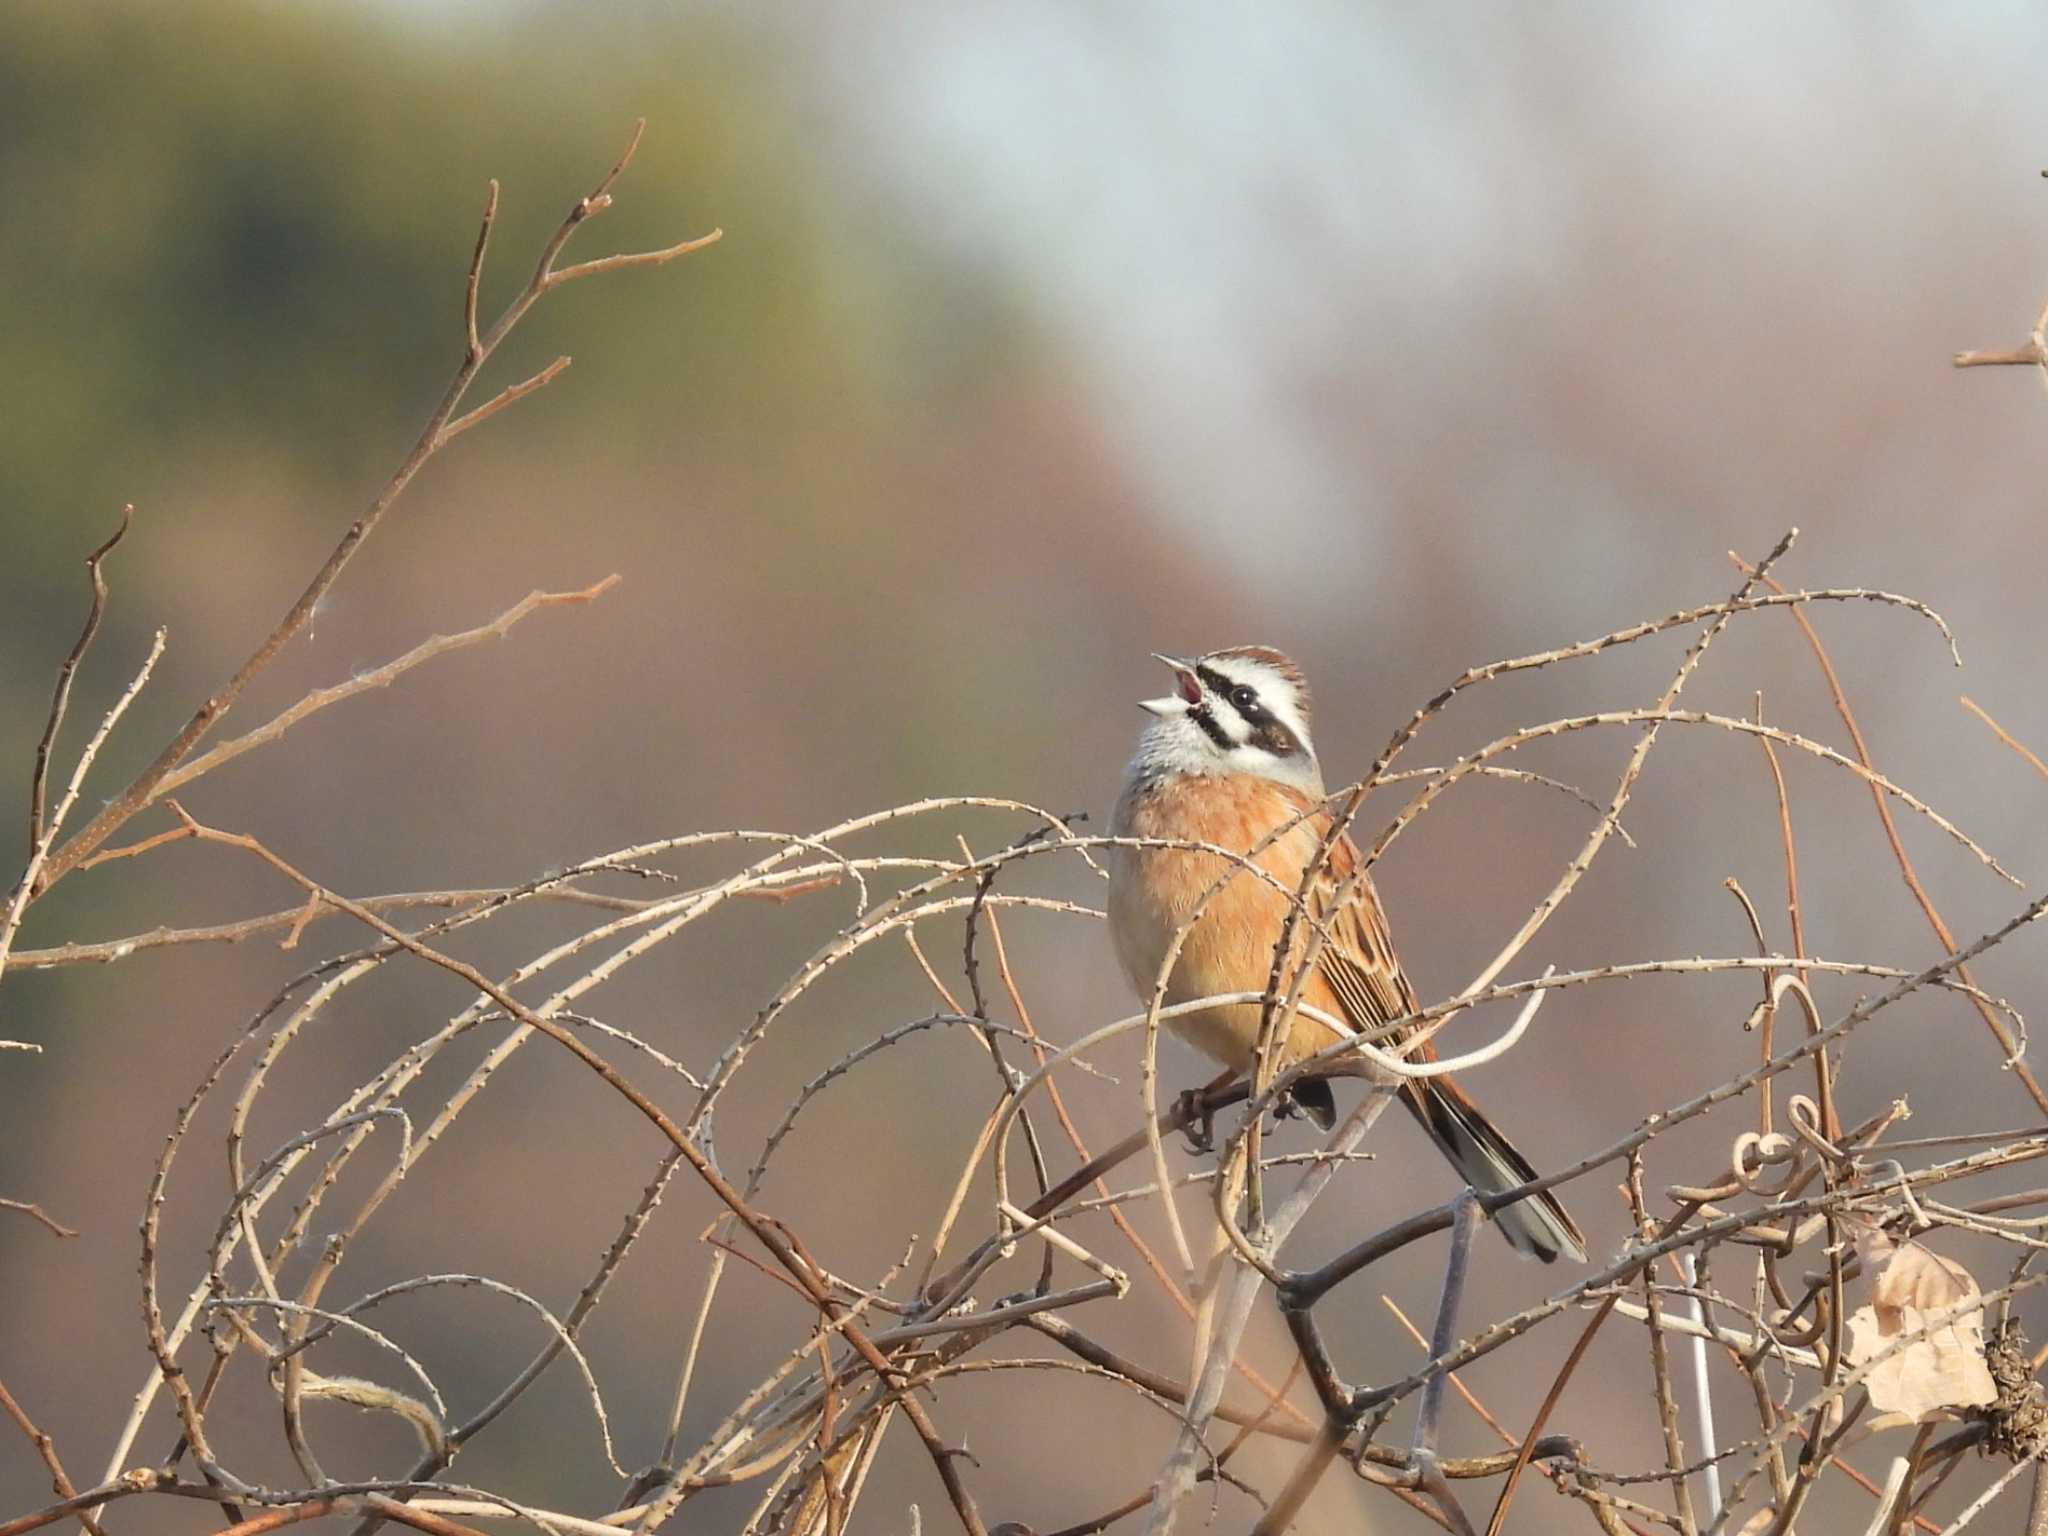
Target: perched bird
[[1226, 760]]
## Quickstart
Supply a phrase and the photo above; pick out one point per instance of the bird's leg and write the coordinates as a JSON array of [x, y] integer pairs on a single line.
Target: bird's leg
[[1196, 1118]]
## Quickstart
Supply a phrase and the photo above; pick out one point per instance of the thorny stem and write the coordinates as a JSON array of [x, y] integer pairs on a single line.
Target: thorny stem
[[1660, 1353], [1919, 893], [46, 1448], [850, 1398], [769, 1232]]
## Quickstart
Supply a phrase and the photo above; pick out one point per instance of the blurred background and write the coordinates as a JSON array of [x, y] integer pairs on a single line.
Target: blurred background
[[1040, 338]]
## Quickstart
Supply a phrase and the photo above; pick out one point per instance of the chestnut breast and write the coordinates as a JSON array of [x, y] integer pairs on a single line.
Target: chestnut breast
[[1153, 891]]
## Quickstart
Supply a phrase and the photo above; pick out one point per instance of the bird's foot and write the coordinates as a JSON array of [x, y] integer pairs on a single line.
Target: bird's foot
[[1197, 1121]]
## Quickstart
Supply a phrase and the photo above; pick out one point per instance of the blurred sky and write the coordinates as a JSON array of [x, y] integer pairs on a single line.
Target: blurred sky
[[1041, 337]]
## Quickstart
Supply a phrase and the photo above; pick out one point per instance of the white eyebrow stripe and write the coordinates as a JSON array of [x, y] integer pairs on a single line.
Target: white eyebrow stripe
[[1273, 690]]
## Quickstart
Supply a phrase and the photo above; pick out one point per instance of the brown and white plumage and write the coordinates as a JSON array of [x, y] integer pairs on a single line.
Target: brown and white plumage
[[1226, 761]]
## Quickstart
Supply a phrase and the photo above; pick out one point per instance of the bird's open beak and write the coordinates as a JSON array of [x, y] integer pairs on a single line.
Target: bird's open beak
[[1179, 703]]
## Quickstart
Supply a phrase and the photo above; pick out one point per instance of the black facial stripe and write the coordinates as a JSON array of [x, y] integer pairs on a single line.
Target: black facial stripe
[[1251, 711], [1274, 737], [1269, 733], [1217, 683], [1201, 716]]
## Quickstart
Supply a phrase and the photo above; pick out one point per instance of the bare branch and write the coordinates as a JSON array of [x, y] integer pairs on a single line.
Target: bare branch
[[1921, 898], [634, 259], [378, 677], [30, 1209], [38, 783], [432, 435], [46, 1448], [25, 890], [2000, 732], [510, 394], [476, 273]]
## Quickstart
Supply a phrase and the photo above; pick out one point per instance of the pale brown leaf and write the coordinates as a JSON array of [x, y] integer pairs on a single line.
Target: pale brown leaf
[[1943, 1368]]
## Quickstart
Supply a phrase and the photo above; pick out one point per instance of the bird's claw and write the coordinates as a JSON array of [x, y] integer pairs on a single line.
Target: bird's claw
[[1197, 1122]]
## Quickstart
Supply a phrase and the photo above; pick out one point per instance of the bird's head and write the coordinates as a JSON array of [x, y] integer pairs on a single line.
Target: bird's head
[[1241, 710]]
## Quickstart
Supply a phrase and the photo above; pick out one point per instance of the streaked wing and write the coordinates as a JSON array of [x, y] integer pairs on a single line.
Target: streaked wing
[[1358, 961], [1360, 969], [1360, 966]]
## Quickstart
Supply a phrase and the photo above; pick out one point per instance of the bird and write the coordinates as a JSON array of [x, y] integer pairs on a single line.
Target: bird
[[1227, 761]]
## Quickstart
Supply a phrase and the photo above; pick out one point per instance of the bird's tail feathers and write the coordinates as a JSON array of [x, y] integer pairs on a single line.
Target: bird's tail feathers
[[1538, 1226]]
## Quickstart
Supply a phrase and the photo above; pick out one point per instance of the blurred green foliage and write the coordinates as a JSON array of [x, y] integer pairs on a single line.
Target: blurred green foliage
[[234, 263], [246, 227]]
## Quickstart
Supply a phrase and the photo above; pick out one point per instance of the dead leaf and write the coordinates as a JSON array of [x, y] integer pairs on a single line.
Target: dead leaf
[[1944, 1367]]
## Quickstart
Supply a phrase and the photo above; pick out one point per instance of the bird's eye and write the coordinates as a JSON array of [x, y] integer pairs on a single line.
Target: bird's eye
[[1244, 698]]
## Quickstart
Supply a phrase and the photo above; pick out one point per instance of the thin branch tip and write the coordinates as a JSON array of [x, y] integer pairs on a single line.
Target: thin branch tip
[[2029, 356], [600, 199], [625, 259], [476, 269], [120, 533]]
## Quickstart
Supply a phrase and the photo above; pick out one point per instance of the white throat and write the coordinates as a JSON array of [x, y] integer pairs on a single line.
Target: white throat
[[1175, 743]]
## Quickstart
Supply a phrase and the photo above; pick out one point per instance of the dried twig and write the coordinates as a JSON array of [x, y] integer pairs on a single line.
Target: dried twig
[[2003, 735], [46, 1449], [1926, 904], [870, 1352], [2033, 354], [61, 696], [30, 1209], [146, 785], [377, 677]]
